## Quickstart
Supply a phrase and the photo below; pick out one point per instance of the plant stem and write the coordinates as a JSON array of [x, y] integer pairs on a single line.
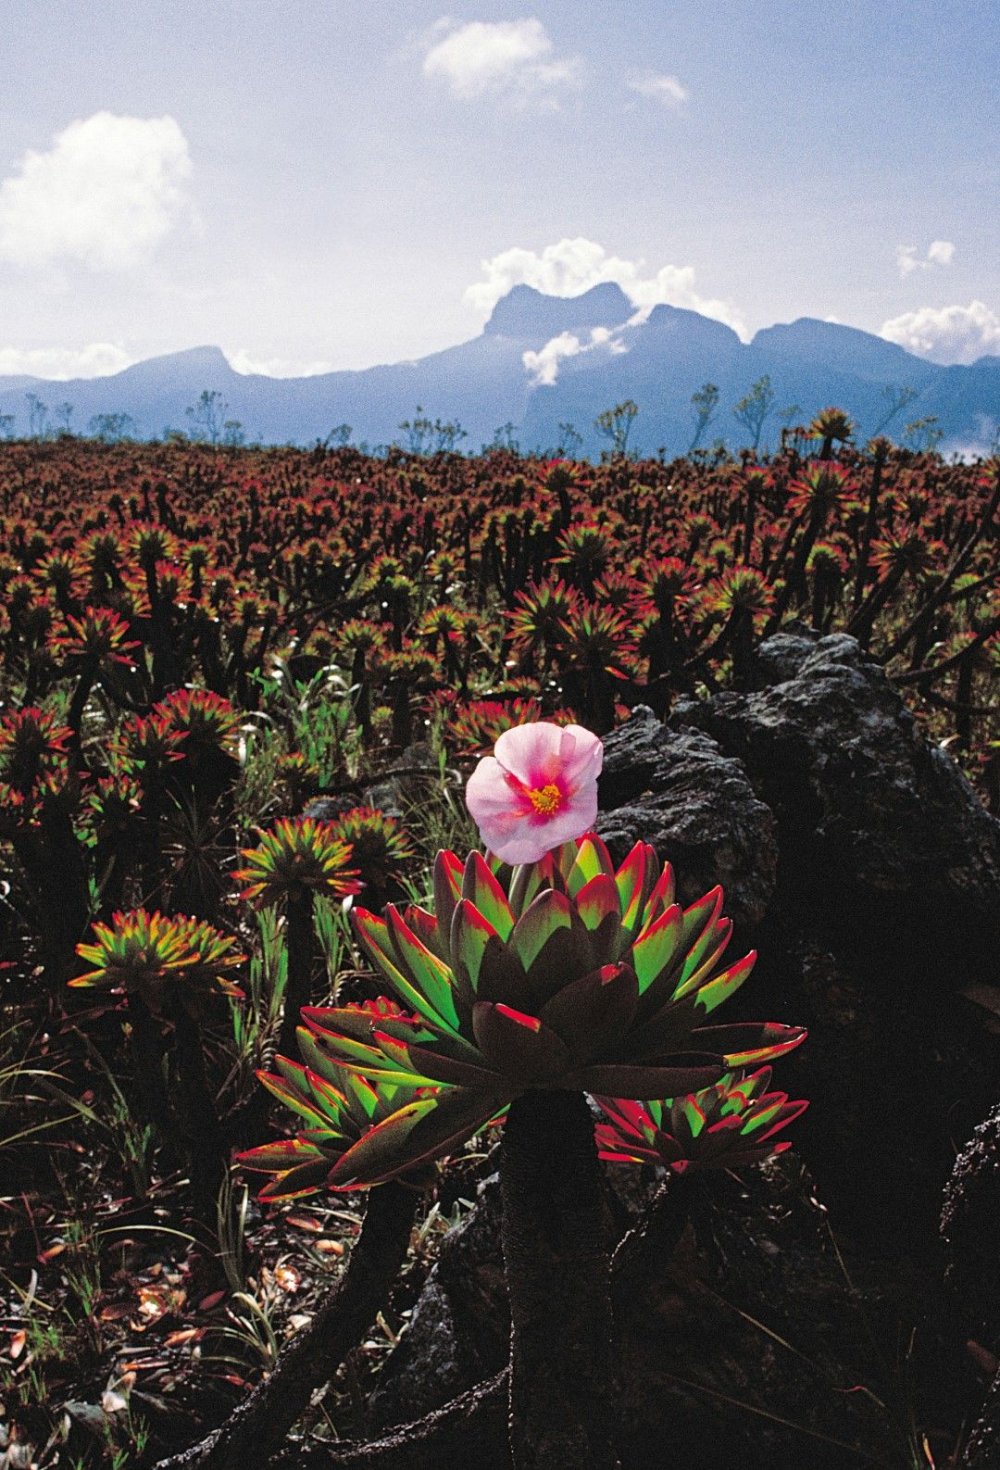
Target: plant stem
[[200, 1120], [257, 1427], [556, 1260], [298, 991]]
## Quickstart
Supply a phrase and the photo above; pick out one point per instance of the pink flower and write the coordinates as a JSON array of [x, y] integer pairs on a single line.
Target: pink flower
[[537, 791]]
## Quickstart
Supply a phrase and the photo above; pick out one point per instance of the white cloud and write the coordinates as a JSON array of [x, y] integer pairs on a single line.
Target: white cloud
[[666, 89], [242, 361], [571, 267], [939, 252], [947, 334], [97, 360], [105, 194], [513, 56], [543, 366]]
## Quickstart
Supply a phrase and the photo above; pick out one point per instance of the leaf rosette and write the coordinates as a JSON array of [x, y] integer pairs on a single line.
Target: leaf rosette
[[357, 1132], [733, 1122], [562, 973]]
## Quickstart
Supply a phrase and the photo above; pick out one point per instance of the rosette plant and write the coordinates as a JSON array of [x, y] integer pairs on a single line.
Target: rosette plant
[[168, 967], [345, 1114], [733, 1122], [545, 972], [296, 860]]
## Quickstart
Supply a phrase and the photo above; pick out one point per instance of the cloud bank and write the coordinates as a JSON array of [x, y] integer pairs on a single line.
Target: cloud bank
[[947, 334], [105, 195], [97, 360], [512, 56], [571, 267]]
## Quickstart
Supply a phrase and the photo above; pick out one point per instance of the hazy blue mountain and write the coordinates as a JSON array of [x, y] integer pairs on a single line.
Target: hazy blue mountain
[[585, 354]]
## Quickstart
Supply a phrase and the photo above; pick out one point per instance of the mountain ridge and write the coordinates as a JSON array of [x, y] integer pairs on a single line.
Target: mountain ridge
[[542, 362]]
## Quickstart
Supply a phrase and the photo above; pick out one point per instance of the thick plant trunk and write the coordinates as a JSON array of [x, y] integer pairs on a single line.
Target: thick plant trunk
[[257, 1428], [203, 1142], [298, 991], [555, 1247]]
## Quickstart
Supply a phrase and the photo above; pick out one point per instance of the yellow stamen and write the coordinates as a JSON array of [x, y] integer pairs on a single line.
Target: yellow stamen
[[546, 799]]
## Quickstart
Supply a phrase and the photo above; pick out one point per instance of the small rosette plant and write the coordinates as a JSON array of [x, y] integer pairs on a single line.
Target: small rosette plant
[[379, 1129], [145, 954], [295, 858], [733, 1122]]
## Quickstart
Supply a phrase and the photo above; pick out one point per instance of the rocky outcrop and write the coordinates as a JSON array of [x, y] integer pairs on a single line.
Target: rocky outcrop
[[879, 832], [677, 790], [857, 858]]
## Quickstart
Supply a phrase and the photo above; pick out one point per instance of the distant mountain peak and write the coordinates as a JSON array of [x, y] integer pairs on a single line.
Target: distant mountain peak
[[531, 315]]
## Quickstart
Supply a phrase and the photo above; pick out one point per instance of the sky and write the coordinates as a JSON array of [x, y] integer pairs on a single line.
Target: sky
[[318, 184]]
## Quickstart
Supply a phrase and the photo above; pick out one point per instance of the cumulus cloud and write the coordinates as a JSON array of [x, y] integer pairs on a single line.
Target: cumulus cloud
[[668, 90], [512, 56], [572, 266], [947, 334], [939, 252], [97, 360], [105, 194], [543, 366]]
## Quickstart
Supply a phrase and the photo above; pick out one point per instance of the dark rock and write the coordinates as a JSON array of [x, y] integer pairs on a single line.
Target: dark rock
[[460, 1327], [870, 874], [739, 1326], [970, 1227], [677, 790], [879, 830]]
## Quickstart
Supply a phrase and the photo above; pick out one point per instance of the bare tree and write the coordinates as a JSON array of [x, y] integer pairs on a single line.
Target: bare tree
[[894, 400], [754, 407], [703, 408], [38, 417], [616, 425], [208, 417]]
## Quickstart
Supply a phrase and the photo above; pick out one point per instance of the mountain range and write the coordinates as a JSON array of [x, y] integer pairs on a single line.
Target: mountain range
[[541, 363]]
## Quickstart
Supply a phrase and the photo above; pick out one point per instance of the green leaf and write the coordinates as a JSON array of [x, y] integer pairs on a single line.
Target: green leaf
[[297, 1183], [592, 860], [551, 943], [288, 1092], [747, 1043], [655, 949], [709, 996], [421, 1131], [285, 1153], [635, 878], [447, 888], [376, 938], [431, 976], [481, 889]]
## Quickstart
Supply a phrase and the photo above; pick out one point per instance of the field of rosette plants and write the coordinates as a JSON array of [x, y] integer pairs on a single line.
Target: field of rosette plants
[[388, 1072]]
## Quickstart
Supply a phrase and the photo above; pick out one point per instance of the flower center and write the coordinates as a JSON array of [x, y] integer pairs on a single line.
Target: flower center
[[545, 799]]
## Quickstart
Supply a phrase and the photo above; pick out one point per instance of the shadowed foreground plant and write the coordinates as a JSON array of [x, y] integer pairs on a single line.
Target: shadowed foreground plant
[[532, 985], [339, 1110], [731, 1123]]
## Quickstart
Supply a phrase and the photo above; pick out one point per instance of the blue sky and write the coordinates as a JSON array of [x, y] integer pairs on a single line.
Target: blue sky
[[316, 183]]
